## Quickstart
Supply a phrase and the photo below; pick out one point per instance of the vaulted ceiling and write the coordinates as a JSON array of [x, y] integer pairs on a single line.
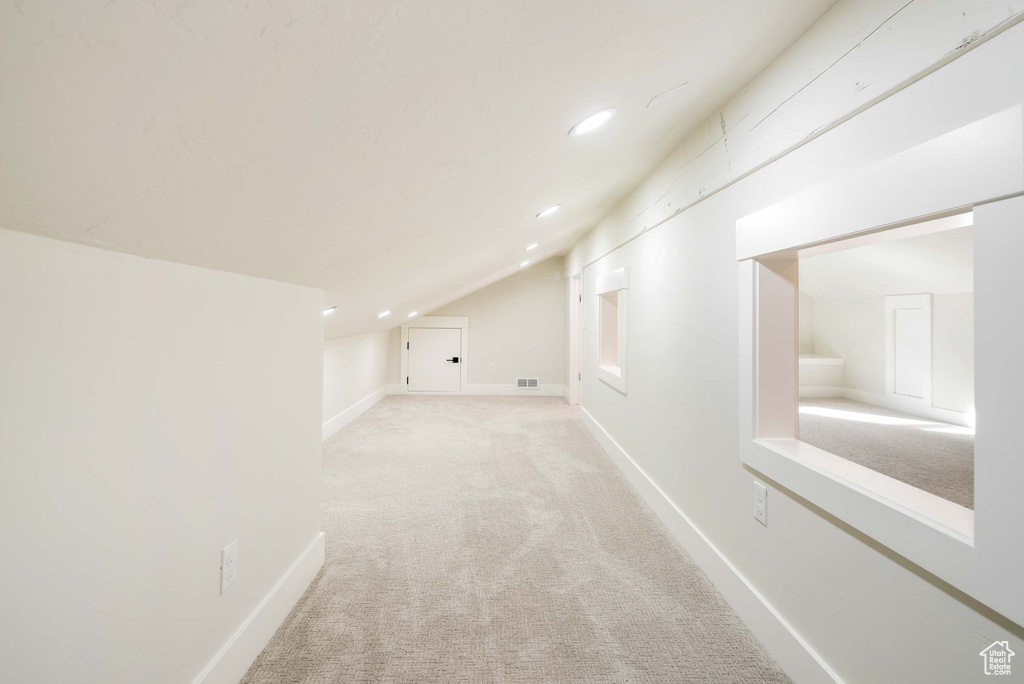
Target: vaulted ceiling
[[394, 154], [936, 262]]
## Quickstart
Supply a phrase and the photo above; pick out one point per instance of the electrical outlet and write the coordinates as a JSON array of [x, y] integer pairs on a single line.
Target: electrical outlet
[[228, 566], [761, 503], [492, 367]]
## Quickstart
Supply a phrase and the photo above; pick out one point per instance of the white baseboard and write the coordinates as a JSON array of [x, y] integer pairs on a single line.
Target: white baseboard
[[565, 393], [821, 392], [509, 389], [786, 646], [891, 402], [911, 406], [488, 390], [236, 656], [357, 409]]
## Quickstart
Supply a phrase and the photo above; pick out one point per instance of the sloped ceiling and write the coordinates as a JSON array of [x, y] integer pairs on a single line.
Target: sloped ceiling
[[936, 263], [392, 153]]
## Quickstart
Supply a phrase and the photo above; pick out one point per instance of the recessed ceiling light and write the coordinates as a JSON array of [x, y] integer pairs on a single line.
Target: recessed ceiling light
[[412, 314], [592, 122], [330, 310], [549, 211], [382, 314], [525, 263], [531, 247]]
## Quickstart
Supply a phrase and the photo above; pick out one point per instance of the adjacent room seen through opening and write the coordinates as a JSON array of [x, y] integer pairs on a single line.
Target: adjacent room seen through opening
[[886, 336]]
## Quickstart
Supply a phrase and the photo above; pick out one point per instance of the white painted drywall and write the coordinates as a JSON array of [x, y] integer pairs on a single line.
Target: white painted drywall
[[858, 53], [518, 324], [861, 607], [806, 324], [382, 135], [355, 373], [854, 330], [394, 355], [953, 351], [150, 413]]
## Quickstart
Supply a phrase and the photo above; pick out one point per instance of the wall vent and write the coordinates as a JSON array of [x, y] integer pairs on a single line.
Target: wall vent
[[527, 383]]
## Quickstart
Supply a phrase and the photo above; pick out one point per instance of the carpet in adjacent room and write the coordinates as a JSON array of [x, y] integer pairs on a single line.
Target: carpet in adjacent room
[[933, 456]]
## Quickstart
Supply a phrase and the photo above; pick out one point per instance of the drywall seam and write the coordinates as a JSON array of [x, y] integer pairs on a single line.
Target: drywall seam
[[801, 662], [962, 50], [238, 654]]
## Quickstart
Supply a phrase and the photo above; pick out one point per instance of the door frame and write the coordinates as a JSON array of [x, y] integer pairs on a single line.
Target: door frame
[[894, 303], [575, 339], [461, 322]]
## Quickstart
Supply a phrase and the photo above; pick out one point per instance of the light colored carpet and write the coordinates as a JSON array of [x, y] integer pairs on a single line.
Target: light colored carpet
[[490, 539], [935, 457]]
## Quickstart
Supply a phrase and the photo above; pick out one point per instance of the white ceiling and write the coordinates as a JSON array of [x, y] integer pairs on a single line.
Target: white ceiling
[[937, 263], [392, 153]]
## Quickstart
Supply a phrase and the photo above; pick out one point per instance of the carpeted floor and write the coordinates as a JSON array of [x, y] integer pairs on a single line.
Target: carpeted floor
[[490, 539], [935, 457]]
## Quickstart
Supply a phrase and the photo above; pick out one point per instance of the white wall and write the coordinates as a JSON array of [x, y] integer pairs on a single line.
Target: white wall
[[518, 324], [150, 413], [854, 330], [953, 351], [355, 378], [394, 356], [858, 53], [859, 606], [806, 324]]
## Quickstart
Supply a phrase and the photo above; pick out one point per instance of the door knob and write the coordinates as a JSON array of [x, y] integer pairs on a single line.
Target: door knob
[[454, 359]]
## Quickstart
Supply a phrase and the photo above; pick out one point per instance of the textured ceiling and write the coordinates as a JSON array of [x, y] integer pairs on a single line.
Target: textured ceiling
[[392, 153]]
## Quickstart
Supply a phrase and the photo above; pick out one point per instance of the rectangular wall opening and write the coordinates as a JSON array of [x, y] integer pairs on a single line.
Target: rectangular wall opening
[[886, 354], [609, 343]]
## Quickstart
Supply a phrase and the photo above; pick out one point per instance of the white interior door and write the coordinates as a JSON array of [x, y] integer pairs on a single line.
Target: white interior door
[[435, 359], [575, 335], [912, 352]]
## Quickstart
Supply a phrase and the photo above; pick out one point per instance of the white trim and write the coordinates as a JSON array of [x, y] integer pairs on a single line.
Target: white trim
[[822, 392], [895, 402], [613, 280], [566, 395], [892, 304], [614, 376], [931, 156], [498, 390], [793, 654], [461, 322], [343, 419], [575, 338], [237, 655], [815, 360], [892, 402], [976, 163]]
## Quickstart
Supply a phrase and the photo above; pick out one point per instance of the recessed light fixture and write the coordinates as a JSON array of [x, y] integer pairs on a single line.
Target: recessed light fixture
[[531, 247], [525, 263], [592, 122], [549, 211], [382, 314], [412, 314], [330, 310]]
